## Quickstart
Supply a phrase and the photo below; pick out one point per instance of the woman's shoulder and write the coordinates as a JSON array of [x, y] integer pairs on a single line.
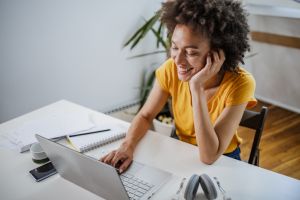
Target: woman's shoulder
[[239, 88], [168, 64], [166, 75], [167, 68], [169, 61], [241, 76]]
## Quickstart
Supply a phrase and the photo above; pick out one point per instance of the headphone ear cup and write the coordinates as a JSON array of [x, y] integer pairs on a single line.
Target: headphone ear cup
[[192, 187], [208, 187]]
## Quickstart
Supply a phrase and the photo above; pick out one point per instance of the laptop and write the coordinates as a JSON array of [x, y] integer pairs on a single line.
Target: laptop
[[138, 182]]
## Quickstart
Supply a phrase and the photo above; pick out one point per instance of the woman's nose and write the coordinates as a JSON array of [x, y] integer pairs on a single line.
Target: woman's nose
[[179, 58]]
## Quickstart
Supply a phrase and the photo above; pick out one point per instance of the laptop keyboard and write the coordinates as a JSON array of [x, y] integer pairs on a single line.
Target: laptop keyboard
[[135, 187]]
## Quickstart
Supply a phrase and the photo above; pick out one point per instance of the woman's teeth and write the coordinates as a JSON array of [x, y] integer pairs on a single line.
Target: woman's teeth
[[184, 70]]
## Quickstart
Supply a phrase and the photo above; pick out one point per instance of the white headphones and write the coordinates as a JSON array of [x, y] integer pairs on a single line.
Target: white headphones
[[206, 184]]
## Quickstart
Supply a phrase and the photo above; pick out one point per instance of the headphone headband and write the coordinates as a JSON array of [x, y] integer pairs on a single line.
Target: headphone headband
[[207, 186]]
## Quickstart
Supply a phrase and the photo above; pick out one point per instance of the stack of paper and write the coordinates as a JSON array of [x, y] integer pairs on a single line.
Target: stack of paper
[[52, 126]]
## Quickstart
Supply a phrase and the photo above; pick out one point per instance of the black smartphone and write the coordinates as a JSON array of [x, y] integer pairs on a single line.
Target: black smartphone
[[43, 172]]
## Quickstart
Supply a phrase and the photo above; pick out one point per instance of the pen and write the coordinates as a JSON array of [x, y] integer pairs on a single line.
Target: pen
[[87, 133]]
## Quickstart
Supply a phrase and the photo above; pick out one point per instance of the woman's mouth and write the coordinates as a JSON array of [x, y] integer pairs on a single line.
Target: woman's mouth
[[183, 71]]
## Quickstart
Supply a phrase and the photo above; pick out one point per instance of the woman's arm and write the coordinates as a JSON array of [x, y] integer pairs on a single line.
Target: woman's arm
[[141, 123], [212, 139], [139, 126]]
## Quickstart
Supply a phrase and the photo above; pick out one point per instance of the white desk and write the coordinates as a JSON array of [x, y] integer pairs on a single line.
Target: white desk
[[239, 179]]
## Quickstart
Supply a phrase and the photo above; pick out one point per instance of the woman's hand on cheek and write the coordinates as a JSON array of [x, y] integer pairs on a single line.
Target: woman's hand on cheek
[[214, 62]]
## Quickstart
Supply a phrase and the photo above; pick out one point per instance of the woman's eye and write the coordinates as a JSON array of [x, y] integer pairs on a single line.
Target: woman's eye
[[191, 53], [174, 48]]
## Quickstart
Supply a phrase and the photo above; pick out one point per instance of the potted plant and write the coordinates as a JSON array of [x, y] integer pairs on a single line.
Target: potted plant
[[163, 123]]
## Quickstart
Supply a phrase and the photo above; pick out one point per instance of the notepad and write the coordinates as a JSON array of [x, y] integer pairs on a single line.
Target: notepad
[[86, 143], [51, 126]]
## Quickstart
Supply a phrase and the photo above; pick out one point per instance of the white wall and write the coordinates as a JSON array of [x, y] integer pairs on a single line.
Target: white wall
[[70, 49], [276, 68]]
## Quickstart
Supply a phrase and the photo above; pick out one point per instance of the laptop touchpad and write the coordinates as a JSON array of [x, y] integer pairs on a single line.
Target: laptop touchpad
[[134, 168]]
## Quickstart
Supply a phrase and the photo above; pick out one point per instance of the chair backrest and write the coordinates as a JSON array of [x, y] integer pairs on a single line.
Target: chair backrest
[[254, 120]]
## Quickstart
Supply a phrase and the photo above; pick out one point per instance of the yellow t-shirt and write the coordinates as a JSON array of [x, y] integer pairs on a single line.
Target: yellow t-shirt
[[234, 89]]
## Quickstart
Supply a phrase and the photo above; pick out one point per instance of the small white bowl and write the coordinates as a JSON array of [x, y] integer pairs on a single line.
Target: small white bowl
[[38, 154], [162, 128]]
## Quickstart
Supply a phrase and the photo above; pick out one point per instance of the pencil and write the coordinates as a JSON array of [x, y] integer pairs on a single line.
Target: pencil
[[87, 133]]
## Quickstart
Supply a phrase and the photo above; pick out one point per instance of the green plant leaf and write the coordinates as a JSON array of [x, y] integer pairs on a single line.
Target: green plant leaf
[[146, 88], [159, 31], [138, 32], [147, 54], [160, 39], [251, 55], [133, 37], [142, 31]]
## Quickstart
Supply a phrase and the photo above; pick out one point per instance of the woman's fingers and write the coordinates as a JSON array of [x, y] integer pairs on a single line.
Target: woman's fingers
[[216, 57], [125, 165], [208, 61], [108, 158], [103, 158], [218, 60], [119, 158], [221, 55]]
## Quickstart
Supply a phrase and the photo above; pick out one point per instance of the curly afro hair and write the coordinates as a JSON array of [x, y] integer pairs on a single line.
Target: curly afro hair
[[224, 22]]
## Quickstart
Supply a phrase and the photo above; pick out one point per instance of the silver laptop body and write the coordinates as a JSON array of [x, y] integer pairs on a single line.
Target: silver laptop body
[[100, 178]]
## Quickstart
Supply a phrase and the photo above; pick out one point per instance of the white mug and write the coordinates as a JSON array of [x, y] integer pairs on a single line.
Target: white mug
[[38, 154]]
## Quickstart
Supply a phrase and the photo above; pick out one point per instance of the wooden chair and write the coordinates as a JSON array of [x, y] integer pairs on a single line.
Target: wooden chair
[[253, 120]]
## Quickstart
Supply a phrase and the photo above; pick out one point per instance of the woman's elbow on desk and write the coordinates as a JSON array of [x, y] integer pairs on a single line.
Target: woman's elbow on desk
[[206, 159]]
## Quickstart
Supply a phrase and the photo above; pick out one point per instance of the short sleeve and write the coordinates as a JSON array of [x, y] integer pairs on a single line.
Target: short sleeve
[[164, 75], [242, 91]]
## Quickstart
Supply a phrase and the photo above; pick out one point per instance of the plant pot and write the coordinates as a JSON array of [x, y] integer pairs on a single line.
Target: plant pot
[[162, 128]]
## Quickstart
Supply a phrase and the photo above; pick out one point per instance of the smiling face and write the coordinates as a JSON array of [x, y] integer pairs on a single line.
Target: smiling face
[[189, 51]]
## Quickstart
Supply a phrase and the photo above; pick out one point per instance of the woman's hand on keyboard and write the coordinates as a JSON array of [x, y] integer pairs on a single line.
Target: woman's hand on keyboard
[[120, 158]]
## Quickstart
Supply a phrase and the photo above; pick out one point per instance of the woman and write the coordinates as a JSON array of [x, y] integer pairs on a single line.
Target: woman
[[209, 90]]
